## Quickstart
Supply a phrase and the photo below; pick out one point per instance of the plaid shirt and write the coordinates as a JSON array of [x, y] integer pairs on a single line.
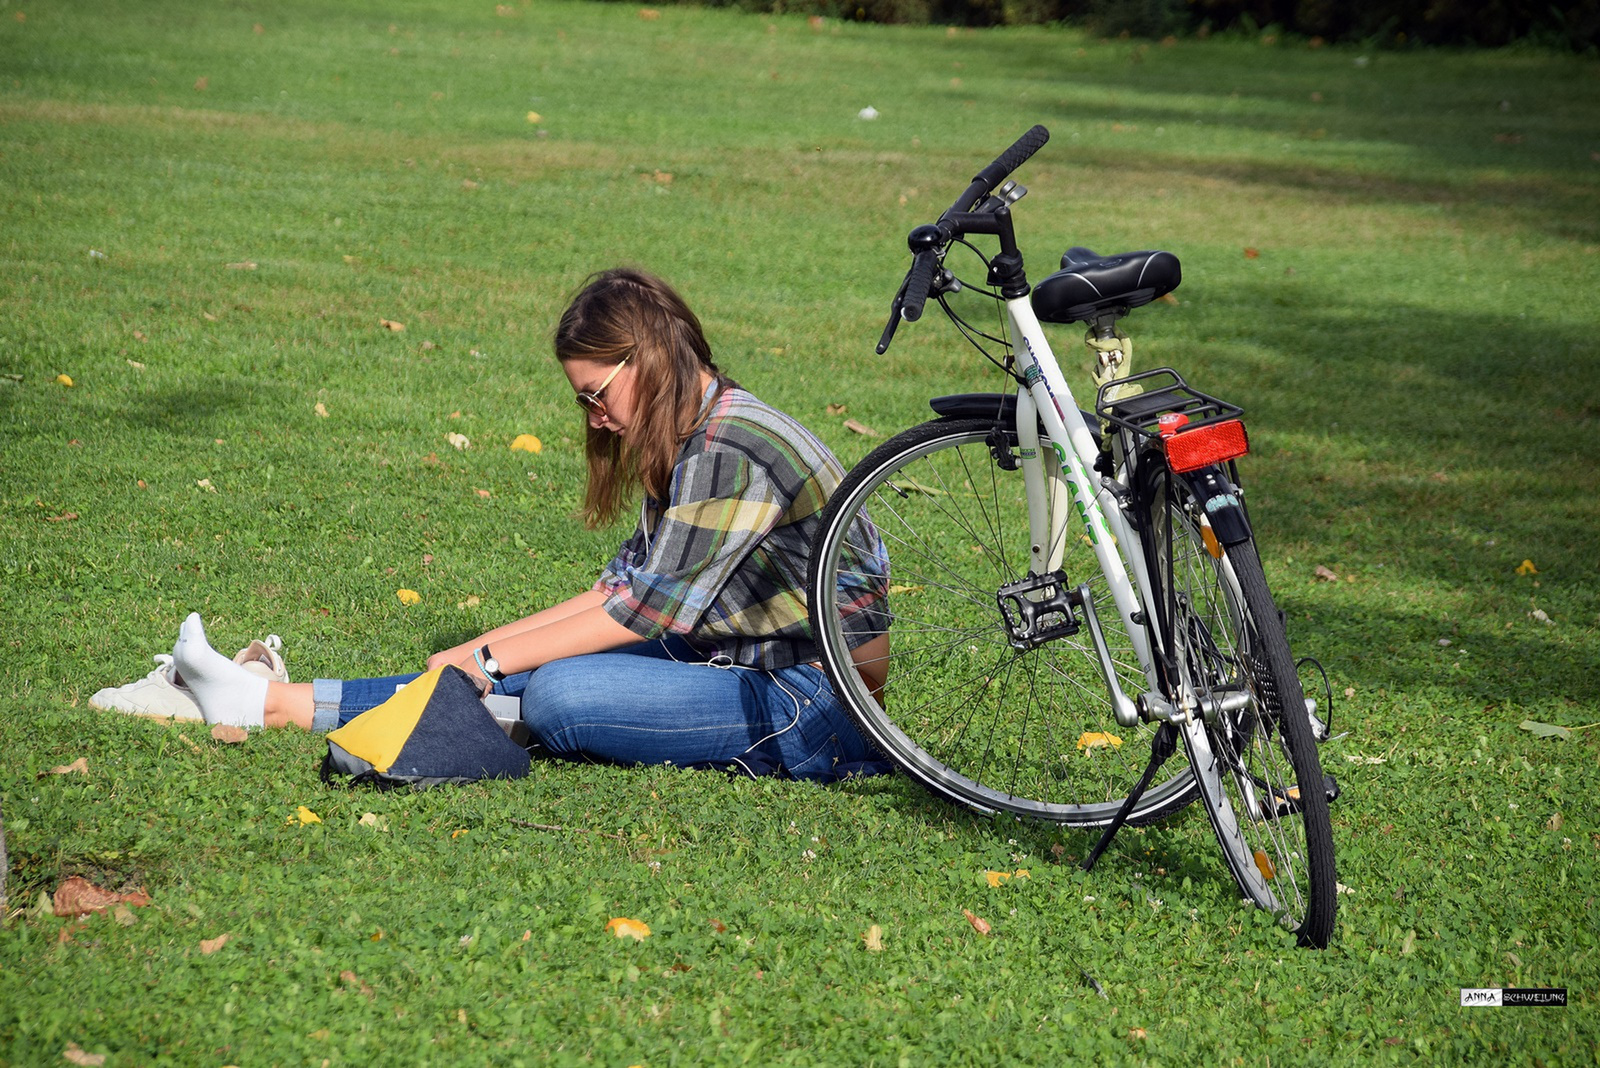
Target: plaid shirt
[[725, 563]]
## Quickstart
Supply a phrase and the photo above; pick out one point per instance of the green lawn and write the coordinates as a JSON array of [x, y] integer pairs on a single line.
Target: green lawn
[[207, 210]]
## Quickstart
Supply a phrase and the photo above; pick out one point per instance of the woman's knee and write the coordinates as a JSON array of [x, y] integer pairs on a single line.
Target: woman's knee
[[553, 702]]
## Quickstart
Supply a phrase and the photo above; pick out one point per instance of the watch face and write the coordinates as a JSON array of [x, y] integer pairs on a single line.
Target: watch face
[[492, 666]]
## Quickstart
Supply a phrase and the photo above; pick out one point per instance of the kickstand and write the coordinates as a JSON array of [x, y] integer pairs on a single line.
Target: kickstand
[[1163, 745]]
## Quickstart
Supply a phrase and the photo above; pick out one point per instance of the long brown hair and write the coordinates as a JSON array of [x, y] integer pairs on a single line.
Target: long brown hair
[[623, 313]]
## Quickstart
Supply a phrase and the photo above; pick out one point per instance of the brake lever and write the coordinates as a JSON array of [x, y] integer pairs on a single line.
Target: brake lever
[[894, 316]]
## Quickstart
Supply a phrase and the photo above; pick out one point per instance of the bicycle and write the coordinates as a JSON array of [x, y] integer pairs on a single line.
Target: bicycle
[[1009, 595]]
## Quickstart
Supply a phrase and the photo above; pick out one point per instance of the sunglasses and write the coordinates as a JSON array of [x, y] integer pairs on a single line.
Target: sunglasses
[[591, 400]]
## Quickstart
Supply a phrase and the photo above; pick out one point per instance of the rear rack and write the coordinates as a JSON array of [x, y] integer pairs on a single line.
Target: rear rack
[[1141, 412]]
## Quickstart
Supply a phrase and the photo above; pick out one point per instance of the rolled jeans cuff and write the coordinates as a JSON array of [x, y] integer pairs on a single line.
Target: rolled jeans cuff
[[325, 697]]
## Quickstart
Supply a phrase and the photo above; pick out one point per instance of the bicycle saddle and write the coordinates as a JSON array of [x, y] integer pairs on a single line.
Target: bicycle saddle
[[1089, 284]]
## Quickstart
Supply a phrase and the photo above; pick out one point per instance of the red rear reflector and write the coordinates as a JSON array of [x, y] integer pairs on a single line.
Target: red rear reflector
[[1190, 450]]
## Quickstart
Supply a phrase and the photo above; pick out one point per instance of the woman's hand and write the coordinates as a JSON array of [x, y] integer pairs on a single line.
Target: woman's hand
[[460, 656]]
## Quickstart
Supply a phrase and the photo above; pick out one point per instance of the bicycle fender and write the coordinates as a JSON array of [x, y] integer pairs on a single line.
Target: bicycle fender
[[1222, 503]]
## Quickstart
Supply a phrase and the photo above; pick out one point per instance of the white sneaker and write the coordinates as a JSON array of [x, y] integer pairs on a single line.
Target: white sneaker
[[162, 694]]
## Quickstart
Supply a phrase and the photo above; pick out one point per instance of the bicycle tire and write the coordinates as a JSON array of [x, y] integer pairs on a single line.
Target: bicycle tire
[[1251, 762], [1027, 733]]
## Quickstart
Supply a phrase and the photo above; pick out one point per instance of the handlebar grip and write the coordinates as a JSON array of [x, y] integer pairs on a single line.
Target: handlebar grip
[[1012, 158], [918, 282]]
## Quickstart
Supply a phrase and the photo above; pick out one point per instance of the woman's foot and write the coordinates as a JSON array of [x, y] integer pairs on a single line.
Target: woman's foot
[[225, 692]]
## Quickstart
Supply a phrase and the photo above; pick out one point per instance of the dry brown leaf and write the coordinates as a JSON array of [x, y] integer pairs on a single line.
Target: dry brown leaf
[[350, 978], [1325, 575], [979, 924], [228, 734], [649, 14], [874, 939], [1167, 298], [209, 946], [77, 767], [1251, 254], [851, 424], [78, 896], [483, 493], [391, 325], [717, 925], [201, 83], [321, 409], [64, 517], [75, 1055], [837, 409], [1138, 1033]]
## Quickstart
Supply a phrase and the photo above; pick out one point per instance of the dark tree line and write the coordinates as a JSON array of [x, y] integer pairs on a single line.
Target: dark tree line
[[1562, 23]]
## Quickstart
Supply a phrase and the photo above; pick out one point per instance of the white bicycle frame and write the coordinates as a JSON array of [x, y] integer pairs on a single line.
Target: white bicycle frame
[[1048, 399]]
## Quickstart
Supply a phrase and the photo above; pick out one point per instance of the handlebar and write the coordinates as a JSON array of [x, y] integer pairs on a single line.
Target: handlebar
[[928, 241], [995, 173]]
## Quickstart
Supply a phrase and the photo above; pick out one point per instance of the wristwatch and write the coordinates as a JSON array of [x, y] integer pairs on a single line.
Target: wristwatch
[[490, 666]]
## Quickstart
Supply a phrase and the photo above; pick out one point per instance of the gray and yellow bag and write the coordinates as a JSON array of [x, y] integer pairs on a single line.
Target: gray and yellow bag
[[433, 730]]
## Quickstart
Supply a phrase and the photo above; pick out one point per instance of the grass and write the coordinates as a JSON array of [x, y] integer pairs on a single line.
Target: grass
[[1413, 341]]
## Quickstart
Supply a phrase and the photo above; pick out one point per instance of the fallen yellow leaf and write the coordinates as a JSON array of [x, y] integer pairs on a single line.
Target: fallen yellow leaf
[[65, 380], [457, 833], [408, 597], [535, 117], [307, 816], [623, 927], [472, 601], [874, 939], [1097, 740], [322, 409], [528, 443], [997, 877], [1524, 568], [73, 1054]]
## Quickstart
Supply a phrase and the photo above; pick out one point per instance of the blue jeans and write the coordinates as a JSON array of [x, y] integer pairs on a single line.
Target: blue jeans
[[660, 702]]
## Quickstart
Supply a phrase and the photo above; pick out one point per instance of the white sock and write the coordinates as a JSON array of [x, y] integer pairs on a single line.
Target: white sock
[[225, 692]]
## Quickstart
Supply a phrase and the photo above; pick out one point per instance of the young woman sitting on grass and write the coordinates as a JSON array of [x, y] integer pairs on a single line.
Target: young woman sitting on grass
[[694, 646]]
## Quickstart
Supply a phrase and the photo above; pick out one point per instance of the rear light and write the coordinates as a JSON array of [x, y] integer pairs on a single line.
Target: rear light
[[1190, 450]]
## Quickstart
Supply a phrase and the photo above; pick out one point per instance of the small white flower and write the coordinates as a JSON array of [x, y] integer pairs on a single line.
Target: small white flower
[[867, 113]]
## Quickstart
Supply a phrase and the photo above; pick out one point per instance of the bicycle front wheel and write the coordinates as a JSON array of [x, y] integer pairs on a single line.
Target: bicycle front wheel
[[1253, 754], [915, 546]]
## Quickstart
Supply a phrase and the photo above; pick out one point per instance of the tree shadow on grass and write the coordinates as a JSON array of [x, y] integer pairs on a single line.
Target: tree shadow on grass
[[1430, 453]]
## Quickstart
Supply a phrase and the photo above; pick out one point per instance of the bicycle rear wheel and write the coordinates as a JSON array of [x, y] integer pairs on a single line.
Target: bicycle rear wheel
[[1255, 759], [974, 720]]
